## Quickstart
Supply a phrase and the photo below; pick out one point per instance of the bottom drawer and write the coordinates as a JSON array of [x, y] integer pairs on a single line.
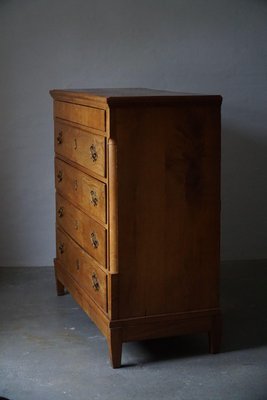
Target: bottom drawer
[[82, 268]]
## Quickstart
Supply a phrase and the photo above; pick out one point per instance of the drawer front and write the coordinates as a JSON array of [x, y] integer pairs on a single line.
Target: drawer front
[[82, 268], [82, 189], [84, 115], [81, 147], [88, 233]]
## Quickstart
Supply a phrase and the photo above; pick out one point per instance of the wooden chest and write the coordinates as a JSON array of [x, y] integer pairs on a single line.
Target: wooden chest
[[137, 175]]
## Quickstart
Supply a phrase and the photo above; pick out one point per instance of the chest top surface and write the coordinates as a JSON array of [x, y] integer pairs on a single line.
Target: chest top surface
[[130, 95]]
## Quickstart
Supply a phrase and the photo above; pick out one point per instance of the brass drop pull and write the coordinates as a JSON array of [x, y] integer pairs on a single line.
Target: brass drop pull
[[77, 265], [59, 176], [94, 241], [76, 225], [95, 282], [61, 248], [93, 153], [76, 185], [75, 144], [94, 199], [60, 212], [59, 138]]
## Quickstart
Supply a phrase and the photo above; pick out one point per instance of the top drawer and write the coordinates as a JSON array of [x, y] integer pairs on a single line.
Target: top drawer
[[80, 146], [84, 115]]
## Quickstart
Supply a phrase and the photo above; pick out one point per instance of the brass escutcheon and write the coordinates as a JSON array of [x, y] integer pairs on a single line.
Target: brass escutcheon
[[95, 282], [59, 176], [60, 212], [93, 153], [94, 240], [94, 199], [59, 137], [61, 248]]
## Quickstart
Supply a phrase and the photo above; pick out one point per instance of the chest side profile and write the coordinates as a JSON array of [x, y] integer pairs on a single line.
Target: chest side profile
[[137, 175]]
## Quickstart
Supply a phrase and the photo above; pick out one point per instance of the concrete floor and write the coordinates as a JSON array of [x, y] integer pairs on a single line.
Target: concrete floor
[[50, 350]]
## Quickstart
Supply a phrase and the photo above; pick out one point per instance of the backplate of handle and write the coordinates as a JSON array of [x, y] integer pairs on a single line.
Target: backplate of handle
[[93, 153], [94, 241], [60, 212], [94, 198], [61, 247], [60, 138], [59, 176], [95, 282]]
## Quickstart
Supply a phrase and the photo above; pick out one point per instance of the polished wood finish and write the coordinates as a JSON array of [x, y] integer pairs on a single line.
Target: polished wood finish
[[82, 147], [82, 189], [154, 215], [84, 230], [168, 204], [88, 116], [83, 268]]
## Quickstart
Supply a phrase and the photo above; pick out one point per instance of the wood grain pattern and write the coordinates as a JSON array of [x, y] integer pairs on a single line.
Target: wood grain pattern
[[113, 207], [83, 229], [128, 96], [97, 315], [82, 147], [88, 116], [83, 267], [82, 189], [155, 211], [168, 208]]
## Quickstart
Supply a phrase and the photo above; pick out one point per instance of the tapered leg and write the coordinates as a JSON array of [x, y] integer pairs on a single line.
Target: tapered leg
[[60, 288], [215, 335], [115, 347]]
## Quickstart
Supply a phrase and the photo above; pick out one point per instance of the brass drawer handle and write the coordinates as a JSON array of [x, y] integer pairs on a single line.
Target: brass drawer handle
[[94, 241], [59, 176], [75, 185], [75, 144], [93, 153], [77, 265], [95, 282], [94, 199], [60, 212], [61, 248], [59, 138]]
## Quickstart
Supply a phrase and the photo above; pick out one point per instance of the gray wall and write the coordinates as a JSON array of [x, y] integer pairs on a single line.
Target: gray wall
[[213, 46]]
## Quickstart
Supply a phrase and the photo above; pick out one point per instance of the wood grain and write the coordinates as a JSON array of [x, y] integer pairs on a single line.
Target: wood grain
[[82, 147], [82, 189], [97, 315], [154, 211], [88, 116], [83, 229], [83, 267], [168, 208]]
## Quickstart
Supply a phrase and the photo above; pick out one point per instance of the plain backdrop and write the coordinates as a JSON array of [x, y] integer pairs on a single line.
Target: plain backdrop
[[206, 46]]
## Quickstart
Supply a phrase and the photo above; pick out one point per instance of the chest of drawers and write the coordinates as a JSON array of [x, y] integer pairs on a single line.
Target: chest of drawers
[[137, 176]]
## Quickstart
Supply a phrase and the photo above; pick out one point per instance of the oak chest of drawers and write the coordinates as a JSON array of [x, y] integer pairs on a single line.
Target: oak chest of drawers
[[137, 175]]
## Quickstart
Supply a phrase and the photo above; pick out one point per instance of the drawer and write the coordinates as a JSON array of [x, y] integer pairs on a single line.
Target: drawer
[[82, 147], [84, 115], [84, 230], [82, 189], [82, 268]]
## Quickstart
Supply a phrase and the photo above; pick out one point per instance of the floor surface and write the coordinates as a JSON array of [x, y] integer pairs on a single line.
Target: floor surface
[[50, 350]]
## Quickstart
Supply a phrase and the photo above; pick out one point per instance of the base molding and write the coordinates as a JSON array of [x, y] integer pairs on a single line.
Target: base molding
[[141, 328]]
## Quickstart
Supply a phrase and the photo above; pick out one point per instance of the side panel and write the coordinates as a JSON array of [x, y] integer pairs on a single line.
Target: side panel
[[168, 207]]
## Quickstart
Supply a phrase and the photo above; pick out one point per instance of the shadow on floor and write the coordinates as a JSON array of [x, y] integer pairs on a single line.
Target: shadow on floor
[[244, 304], [244, 307]]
